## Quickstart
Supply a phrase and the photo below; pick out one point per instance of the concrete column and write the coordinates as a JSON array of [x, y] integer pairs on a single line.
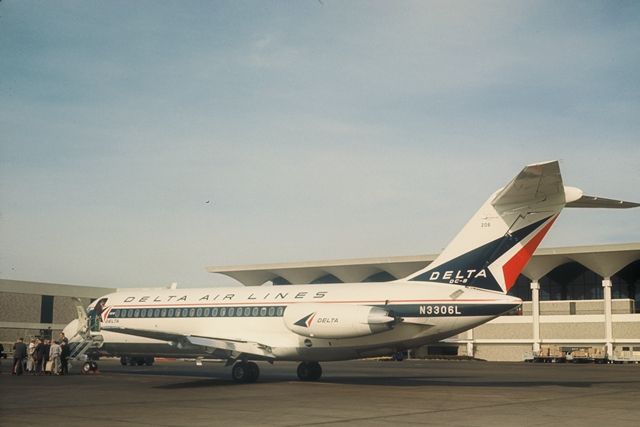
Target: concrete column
[[608, 324], [470, 343], [535, 310]]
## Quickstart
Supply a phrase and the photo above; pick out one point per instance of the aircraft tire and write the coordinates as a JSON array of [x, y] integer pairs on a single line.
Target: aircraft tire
[[254, 370], [89, 367], [86, 368], [309, 371], [245, 372]]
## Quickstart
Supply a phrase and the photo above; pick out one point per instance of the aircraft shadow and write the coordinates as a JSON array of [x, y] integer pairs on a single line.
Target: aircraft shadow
[[408, 381]]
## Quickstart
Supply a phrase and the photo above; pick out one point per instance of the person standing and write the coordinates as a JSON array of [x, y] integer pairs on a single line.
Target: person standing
[[54, 356], [45, 355], [19, 354], [64, 354], [40, 356], [95, 315], [31, 356]]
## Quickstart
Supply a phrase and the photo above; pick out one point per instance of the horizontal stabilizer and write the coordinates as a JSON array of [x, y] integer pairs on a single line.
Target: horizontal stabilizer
[[536, 188], [601, 202]]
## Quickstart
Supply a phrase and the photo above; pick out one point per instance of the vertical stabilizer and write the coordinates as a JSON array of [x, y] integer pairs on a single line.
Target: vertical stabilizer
[[496, 244]]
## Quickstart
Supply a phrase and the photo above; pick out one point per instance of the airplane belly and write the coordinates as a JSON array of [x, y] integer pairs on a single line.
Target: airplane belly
[[402, 337]]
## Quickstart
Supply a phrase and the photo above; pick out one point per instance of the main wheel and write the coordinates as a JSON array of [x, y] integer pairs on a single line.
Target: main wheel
[[245, 372], [309, 371], [255, 372]]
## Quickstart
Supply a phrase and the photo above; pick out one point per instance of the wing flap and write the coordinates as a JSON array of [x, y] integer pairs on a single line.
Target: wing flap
[[235, 346]]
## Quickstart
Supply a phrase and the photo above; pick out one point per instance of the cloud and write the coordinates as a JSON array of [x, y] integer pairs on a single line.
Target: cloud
[[353, 129]]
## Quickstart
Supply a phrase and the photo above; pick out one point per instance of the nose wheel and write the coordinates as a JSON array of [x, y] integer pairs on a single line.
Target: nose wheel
[[245, 372], [89, 367], [309, 371]]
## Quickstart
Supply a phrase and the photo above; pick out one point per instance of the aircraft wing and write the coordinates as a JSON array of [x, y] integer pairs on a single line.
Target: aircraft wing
[[235, 346]]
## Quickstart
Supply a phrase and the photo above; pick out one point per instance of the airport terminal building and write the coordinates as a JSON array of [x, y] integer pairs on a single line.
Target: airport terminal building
[[586, 296]]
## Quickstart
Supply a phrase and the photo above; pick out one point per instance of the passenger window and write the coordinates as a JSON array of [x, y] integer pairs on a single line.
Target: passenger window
[[199, 312], [223, 312], [192, 312], [163, 312], [114, 313], [247, 311], [214, 312], [254, 311], [280, 311], [178, 312], [130, 313], [170, 312], [136, 313], [272, 311], [263, 311], [206, 312]]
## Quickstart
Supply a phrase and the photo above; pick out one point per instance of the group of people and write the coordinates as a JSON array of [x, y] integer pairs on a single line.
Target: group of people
[[41, 357]]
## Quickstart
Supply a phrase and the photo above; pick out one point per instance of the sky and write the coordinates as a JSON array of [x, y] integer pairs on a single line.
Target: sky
[[141, 142]]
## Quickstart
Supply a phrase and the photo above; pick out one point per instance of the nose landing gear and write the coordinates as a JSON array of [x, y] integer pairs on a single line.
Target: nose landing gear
[[89, 367]]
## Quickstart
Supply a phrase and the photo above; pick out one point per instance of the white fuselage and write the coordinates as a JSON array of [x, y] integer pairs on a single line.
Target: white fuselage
[[424, 313]]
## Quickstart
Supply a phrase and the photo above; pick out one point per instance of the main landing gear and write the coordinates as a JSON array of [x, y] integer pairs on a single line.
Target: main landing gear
[[248, 372], [309, 371], [245, 372]]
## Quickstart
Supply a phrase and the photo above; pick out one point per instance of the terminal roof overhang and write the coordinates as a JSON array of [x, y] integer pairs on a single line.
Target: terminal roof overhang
[[604, 260]]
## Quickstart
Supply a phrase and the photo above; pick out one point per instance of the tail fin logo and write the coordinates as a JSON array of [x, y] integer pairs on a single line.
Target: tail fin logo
[[457, 277], [495, 265]]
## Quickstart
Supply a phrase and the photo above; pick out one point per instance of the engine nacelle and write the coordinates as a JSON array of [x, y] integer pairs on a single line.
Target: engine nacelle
[[337, 320]]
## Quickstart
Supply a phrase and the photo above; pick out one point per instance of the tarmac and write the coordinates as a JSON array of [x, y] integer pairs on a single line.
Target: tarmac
[[356, 393]]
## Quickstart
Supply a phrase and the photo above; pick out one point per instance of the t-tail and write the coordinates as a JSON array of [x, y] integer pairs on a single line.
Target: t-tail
[[493, 248]]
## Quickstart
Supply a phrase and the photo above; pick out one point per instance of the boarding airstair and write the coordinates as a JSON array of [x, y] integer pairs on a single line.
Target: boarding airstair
[[85, 340]]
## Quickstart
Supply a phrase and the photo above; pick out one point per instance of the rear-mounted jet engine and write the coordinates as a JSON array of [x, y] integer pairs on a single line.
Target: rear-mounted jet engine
[[337, 320]]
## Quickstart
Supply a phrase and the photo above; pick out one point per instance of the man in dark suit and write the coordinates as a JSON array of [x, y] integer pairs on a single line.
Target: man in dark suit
[[64, 354], [19, 355]]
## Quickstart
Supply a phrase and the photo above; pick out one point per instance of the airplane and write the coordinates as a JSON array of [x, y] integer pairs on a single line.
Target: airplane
[[465, 286]]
